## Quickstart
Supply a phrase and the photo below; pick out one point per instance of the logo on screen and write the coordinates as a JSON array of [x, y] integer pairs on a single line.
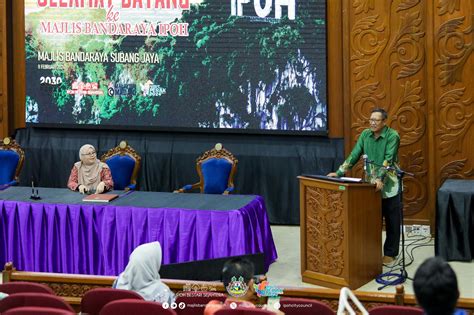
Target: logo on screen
[[150, 89], [237, 287], [265, 289], [119, 89], [85, 88]]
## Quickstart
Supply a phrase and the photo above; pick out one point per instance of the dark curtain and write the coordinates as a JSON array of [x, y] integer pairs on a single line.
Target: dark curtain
[[268, 164]]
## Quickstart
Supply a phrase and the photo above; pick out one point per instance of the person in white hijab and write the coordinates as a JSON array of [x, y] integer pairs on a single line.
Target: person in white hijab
[[142, 274], [90, 174]]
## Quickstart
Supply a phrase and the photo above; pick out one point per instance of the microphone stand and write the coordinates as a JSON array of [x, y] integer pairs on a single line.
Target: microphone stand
[[401, 278]]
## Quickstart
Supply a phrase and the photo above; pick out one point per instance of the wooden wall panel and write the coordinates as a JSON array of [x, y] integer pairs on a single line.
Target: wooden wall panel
[[413, 58], [18, 99], [3, 71], [453, 89]]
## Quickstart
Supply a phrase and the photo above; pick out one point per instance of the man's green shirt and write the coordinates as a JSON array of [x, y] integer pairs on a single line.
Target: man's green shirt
[[382, 151]]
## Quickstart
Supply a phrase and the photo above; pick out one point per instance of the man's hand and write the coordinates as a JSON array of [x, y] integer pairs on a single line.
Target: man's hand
[[83, 189], [333, 174], [100, 188], [378, 184]]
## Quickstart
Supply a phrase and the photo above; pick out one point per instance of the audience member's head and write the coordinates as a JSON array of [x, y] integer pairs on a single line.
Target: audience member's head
[[436, 287], [239, 268], [142, 274]]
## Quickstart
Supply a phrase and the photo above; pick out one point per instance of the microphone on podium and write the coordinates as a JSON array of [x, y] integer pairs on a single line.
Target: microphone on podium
[[366, 167]]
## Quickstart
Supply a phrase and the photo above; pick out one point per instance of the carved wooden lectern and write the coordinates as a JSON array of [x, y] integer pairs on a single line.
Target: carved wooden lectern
[[341, 232]]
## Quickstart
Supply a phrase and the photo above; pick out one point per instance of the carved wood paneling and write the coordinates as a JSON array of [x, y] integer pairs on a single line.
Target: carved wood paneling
[[3, 67], [325, 231], [71, 289], [415, 59], [387, 69], [453, 89]]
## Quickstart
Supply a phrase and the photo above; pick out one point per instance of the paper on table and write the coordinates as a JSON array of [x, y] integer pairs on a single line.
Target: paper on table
[[352, 179]]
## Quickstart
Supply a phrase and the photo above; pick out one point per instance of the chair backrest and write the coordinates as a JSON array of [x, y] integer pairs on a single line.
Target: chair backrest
[[396, 310], [135, 307], [195, 301], [37, 310], [94, 300], [216, 169], [124, 163], [243, 311], [33, 299], [300, 306], [23, 287], [12, 157]]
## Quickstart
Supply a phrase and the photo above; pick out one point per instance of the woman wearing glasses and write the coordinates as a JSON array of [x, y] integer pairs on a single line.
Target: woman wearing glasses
[[90, 175]]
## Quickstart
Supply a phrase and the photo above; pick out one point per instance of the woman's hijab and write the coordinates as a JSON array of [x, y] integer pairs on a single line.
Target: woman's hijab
[[142, 274], [88, 173]]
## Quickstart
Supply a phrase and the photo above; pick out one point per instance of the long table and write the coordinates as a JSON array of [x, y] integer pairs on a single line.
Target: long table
[[61, 233]]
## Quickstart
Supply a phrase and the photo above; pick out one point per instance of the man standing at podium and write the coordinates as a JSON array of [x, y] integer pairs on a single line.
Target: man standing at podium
[[379, 147]]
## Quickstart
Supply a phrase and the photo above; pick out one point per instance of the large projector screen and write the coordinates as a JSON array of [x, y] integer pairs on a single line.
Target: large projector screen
[[249, 65]]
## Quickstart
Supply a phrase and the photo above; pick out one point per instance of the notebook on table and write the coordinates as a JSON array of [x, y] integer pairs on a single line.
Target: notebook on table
[[100, 198]]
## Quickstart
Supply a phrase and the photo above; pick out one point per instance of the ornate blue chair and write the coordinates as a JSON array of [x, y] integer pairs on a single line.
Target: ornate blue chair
[[12, 157], [124, 163], [216, 169]]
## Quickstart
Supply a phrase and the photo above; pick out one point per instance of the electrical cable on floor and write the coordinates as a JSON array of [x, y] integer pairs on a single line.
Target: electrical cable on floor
[[391, 277]]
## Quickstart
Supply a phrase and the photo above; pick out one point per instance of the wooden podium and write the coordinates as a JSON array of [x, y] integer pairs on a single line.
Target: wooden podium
[[341, 232]]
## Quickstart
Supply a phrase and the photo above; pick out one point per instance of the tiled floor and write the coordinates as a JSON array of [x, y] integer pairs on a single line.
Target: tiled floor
[[286, 270]]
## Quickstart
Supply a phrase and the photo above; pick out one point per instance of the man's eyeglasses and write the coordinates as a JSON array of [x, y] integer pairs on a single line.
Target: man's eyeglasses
[[375, 121], [90, 153]]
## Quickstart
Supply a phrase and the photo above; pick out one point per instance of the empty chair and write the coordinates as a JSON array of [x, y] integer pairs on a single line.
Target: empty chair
[[33, 299], [94, 300], [195, 301], [243, 311], [124, 163], [216, 169], [12, 157], [290, 306], [24, 287], [37, 310], [135, 307], [396, 310]]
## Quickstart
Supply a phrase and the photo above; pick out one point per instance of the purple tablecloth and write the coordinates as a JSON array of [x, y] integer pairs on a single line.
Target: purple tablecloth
[[97, 239]]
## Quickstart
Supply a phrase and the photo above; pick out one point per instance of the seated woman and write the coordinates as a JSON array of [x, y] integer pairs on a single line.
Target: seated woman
[[90, 174], [142, 274]]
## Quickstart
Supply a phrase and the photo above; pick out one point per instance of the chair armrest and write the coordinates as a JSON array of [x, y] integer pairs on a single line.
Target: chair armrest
[[187, 188], [5, 186], [130, 187], [228, 190]]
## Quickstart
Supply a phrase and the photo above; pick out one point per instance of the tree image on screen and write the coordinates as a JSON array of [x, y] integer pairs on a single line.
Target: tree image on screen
[[256, 65]]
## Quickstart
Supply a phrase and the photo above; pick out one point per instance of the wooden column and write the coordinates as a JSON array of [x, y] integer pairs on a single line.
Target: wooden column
[[3, 71]]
